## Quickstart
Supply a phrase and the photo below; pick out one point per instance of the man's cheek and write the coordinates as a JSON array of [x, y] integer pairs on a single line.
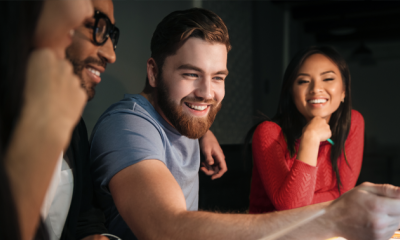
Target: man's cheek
[[220, 95]]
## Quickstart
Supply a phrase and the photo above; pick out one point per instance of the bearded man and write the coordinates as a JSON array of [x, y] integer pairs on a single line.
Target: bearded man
[[145, 153]]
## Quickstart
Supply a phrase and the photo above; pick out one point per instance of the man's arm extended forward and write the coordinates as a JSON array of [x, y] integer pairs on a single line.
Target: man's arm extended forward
[[152, 204]]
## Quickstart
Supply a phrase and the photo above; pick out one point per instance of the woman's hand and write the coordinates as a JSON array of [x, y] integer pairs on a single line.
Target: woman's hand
[[317, 128], [314, 132], [53, 103], [53, 94]]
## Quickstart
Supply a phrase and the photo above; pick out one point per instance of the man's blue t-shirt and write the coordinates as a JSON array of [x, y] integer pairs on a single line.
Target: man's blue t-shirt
[[131, 131]]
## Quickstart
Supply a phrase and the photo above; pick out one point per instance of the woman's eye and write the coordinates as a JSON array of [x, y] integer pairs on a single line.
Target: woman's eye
[[329, 79], [302, 81]]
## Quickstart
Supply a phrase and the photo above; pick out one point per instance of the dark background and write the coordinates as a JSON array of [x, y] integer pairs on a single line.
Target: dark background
[[265, 35]]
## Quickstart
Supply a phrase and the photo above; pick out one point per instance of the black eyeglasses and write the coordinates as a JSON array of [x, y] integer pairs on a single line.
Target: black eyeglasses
[[104, 29]]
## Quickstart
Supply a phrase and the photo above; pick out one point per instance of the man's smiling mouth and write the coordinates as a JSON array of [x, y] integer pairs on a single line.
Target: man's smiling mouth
[[94, 71], [196, 107]]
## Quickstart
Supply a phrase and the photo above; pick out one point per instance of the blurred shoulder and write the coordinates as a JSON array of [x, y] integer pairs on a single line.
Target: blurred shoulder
[[356, 117], [268, 129]]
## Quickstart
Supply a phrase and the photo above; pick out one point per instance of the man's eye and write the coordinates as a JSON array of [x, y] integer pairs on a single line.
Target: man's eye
[[89, 25], [193, 75], [219, 78]]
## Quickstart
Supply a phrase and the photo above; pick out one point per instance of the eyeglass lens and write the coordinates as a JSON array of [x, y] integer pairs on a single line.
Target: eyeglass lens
[[101, 30]]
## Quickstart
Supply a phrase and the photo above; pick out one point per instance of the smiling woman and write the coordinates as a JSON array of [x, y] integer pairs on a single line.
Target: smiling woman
[[294, 164], [318, 88]]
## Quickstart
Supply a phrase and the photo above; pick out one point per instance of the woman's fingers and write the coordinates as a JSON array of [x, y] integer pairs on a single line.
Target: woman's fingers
[[318, 127], [54, 92]]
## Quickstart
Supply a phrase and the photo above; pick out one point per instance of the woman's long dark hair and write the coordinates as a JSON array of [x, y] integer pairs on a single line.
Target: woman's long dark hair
[[292, 121], [18, 19]]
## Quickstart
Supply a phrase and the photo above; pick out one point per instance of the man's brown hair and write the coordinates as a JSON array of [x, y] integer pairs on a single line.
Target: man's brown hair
[[177, 27]]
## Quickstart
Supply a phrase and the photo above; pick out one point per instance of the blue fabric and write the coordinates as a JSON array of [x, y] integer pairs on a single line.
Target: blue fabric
[[131, 131]]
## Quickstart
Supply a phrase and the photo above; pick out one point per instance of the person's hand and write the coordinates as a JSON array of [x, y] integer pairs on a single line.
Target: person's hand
[[214, 164], [317, 128], [53, 94], [96, 237], [369, 211], [316, 131]]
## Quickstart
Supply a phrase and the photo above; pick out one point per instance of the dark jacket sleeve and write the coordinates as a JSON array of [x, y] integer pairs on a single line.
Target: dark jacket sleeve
[[84, 218]]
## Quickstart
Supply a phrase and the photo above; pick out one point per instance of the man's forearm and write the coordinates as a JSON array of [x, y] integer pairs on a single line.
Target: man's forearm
[[152, 204], [155, 208], [207, 225]]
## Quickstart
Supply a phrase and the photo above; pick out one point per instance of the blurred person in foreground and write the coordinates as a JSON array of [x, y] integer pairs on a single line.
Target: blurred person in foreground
[[40, 103], [145, 152]]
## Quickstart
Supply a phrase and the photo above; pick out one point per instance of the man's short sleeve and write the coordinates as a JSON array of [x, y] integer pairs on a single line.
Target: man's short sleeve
[[121, 139]]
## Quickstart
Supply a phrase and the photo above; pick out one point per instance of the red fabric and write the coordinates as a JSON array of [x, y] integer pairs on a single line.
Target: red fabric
[[280, 182]]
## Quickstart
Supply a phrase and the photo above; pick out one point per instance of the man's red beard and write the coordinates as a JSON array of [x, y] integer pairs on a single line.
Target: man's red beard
[[187, 125]]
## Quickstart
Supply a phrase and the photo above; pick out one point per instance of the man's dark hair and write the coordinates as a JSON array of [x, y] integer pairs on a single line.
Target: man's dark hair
[[176, 28]]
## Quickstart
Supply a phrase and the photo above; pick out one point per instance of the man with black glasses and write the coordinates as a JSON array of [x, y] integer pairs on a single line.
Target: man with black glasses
[[94, 46], [71, 213]]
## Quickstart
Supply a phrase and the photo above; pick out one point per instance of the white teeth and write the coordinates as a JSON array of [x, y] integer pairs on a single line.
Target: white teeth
[[317, 101], [200, 108], [95, 72]]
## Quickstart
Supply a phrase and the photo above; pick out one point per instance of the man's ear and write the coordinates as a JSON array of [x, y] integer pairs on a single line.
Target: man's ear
[[152, 72]]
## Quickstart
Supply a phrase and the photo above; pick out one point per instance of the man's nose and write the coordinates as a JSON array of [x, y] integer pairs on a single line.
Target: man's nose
[[107, 51], [204, 88]]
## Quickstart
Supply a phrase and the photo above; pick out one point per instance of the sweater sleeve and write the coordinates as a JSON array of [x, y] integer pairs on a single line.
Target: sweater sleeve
[[354, 148], [325, 196], [286, 186]]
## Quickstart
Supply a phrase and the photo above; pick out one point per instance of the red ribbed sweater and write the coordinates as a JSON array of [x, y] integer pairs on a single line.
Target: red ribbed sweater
[[280, 182]]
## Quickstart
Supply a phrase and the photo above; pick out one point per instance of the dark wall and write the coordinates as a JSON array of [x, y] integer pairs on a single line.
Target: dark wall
[[267, 56], [235, 117]]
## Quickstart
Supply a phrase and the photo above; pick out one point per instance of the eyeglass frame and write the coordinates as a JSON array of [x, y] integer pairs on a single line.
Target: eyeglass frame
[[112, 29]]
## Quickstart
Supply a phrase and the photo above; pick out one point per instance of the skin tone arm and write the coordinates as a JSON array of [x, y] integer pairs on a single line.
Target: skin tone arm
[[152, 204], [369, 211], [316, 131], [214, 164], [43, 131]]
